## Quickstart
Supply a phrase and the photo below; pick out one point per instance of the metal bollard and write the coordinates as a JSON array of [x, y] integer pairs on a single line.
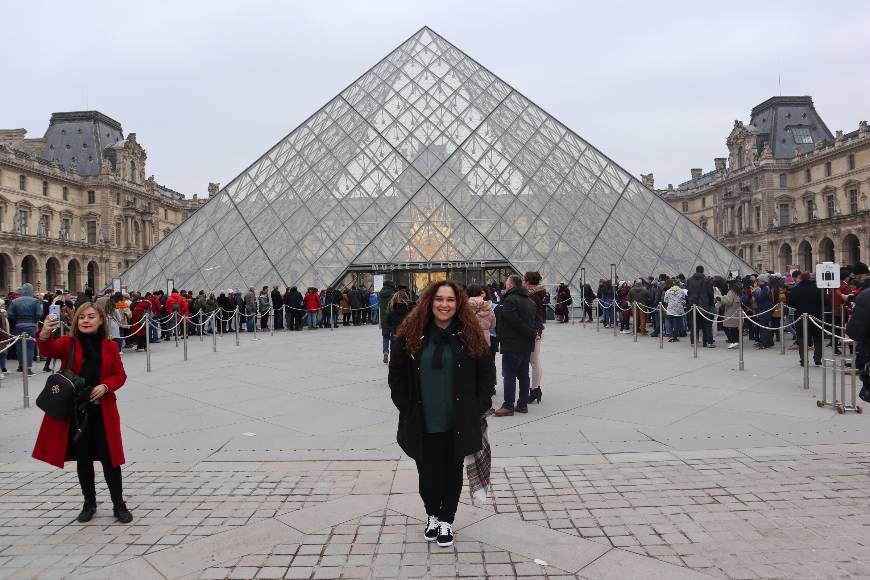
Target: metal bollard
[[148, 343], [634, 320], [201, 327], [175, 330], [271, 322], [695, 331], [25, 383], [613, 324], [184, 339], [740, 337], [805, 337], [236, 320], [214, 334], [661, 327]]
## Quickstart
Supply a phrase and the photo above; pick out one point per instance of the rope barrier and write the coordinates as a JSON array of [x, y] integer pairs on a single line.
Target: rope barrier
[[816, 321], [11, 344]]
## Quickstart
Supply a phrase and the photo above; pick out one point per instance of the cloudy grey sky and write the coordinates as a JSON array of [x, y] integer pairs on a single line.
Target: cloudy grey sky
[[209, 86]]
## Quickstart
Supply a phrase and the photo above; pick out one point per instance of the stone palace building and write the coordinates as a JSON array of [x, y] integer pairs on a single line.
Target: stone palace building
[[75, 206], [790, 192]]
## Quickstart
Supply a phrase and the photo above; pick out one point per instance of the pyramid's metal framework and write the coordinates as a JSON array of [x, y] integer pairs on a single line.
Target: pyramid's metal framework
[[428, 157]]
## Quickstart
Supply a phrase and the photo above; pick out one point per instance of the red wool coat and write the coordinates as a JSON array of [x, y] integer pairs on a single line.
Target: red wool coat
[[52, 443]]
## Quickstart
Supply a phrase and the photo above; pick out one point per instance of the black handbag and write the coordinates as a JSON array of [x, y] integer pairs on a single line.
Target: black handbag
[[59, 394]]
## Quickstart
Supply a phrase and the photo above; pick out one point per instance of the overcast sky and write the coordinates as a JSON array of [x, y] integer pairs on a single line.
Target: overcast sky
[[210, 86]]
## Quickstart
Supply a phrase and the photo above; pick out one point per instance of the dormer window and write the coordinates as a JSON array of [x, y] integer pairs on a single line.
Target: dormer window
[[802, 135]]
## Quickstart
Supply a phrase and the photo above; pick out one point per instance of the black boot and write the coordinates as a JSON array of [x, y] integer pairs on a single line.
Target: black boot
[[88, 511], [122, 514], [535, 394]]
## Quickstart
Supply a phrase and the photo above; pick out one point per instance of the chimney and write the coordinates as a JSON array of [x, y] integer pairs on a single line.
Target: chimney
[[696, 173], [720, 164], [648, 180]]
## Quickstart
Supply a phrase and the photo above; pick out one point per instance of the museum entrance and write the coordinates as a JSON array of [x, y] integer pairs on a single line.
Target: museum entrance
[[418, 275]]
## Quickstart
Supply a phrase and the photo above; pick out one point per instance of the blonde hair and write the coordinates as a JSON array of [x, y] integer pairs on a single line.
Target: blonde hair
[[74, 323]]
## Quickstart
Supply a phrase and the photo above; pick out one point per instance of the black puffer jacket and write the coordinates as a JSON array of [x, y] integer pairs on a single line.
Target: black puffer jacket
[[806, 298], [473, 389], [858, 327], [699, 291], [517, 322]]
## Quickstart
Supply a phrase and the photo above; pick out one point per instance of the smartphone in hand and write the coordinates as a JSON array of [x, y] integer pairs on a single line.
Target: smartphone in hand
[[54, 311]]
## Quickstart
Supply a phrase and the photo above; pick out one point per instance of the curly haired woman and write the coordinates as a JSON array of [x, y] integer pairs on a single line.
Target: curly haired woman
[[442, 380]]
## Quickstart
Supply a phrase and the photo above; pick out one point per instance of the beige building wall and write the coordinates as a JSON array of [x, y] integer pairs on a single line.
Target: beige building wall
[[779, 212], [62, 229]]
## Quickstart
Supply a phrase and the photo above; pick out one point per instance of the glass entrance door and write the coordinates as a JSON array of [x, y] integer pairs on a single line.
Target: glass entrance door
[[423, 279]]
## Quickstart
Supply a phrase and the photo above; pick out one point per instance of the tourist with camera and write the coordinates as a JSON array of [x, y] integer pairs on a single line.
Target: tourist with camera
[[94, 431]]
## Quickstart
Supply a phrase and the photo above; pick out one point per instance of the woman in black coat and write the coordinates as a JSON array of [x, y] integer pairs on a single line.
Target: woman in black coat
[[442, 380]]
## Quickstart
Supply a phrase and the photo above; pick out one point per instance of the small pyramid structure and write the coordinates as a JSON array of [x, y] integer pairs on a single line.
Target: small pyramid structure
[[428, 158]]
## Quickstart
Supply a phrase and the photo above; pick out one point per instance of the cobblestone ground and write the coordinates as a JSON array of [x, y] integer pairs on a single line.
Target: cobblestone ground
[[759, 513]]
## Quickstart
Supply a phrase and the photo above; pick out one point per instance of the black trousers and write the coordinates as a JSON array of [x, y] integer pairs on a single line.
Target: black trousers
[[816, 336], [92, 446], [440, 476], [731, 334]]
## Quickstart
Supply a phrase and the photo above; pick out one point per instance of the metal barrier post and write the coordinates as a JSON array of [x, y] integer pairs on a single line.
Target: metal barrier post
[[175, 330], [806, 340], [582, 298], [271, 320], [201, 327], [214, 333], [695, 330], [613, 324], [184, 339], [661, 326], [634, 320], [740, 337], [148, 342], [25, 370], [236, 323]]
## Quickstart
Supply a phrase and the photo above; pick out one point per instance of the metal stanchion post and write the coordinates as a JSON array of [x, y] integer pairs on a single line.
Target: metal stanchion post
[[661, 326], [271, 320], [634, 320], [843, 340], [740, 337], [694, 330], [201, 327], [148, 343], [25, 370], [236, 323], [582, 297], [175, 330], [184, 338], [806, 340], [214, 333], [256, 322], [613, 282]]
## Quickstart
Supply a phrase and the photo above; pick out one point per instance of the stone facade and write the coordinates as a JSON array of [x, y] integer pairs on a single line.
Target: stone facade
[[78, 220], [789, 195]]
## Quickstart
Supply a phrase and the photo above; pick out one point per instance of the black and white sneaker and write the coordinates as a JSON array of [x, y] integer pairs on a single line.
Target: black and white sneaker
[[431, 531], [445, 534]]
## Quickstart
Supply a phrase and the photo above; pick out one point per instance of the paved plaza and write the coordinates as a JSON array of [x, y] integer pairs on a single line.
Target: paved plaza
[[276, 459]]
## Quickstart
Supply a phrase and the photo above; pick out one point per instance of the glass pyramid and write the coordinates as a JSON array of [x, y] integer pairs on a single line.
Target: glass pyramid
[[428, 158]]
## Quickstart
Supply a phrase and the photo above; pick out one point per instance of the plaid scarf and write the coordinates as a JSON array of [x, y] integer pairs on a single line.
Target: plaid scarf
[[478, 466]]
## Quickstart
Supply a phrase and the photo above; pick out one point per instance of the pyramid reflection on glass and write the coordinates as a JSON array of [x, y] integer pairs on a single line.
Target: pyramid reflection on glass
[[428, 157]]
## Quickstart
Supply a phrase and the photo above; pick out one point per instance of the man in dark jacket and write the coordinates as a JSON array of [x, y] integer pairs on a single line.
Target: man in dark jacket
[[294, 301], [806, 298], [858, 327], [700, 294], [517, 328], [277, 306], [355, 297]]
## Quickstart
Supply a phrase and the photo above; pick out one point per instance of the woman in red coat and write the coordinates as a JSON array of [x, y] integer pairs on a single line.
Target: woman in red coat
[[140, 309], [96, 359]]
